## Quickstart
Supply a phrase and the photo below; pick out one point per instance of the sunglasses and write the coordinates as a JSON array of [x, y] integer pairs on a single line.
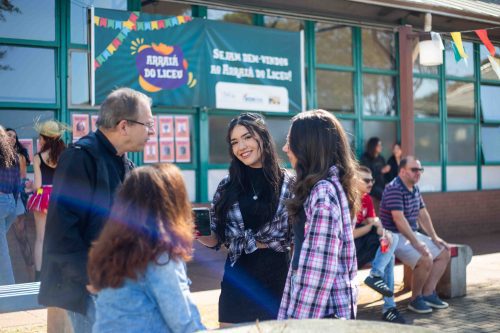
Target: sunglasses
[[415, 170], [369, 180]]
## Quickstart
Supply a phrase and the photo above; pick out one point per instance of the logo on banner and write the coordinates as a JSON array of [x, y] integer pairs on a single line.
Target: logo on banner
[[161, 66]]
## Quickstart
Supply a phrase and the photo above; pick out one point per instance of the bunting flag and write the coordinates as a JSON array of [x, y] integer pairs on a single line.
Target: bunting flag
[[483, 36], [132, 23], [457, 38], [455, 52], [494, 65]]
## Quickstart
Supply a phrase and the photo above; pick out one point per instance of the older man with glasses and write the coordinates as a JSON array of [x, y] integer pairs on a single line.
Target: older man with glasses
[[401, 207]]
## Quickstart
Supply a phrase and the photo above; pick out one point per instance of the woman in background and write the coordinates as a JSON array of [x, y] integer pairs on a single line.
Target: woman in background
[[44, 166], [20, 229], [393, 162], [137, 265], [323, 283], [373, 159], [9, 190], [249, 217]]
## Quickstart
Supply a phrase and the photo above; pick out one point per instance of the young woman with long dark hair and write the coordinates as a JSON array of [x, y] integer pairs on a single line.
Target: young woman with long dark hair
[[138, 263], [373, 159], [322, 283], [44, 166], [9, 189], [20, 229], [249, 217]]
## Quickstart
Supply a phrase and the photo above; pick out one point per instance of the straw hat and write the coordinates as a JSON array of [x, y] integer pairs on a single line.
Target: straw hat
[[51, 128]]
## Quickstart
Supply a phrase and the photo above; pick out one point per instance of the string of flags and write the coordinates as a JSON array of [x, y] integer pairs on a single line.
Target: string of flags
[[129, 25], [459, 51]]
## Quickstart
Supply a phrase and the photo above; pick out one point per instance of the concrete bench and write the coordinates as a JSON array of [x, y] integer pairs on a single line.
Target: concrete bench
[[453, 283], [19, 297]]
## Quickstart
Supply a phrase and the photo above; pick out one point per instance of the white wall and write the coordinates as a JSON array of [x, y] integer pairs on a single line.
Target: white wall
[[214, 178], [461, 178], [190, 180], [490, 177]]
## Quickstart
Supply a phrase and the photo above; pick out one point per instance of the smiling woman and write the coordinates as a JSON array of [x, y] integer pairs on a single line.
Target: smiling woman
[[249, 218]]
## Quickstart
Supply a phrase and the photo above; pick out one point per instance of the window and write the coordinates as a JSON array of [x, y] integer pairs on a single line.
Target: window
[[217, 135], [230, 16], [282, 23], [27, 75], [335, 91], [489, 99], [427, 141], [460, 99], [166, 8], [486, 71], [426, 97], [461, 143], [491, 144], [378, 49], [29, 20], [23, 121], [278, 127], [79, 77], [385, 130], [334, 44], [379, 95], [460, 68]]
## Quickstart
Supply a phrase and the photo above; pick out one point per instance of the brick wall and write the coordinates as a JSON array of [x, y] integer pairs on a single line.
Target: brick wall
[[459, 214]]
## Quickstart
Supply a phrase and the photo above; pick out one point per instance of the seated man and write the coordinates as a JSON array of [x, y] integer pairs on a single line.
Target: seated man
[[428, 256], [366, 237]]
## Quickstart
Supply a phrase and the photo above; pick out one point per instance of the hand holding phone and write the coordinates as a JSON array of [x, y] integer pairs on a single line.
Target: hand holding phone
[[202, 221]]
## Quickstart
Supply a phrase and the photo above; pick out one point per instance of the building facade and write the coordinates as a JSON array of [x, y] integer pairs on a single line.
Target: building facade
[[356, 64]]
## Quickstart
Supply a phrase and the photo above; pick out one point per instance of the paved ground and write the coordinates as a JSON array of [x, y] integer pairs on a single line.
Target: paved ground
[[479, 311]]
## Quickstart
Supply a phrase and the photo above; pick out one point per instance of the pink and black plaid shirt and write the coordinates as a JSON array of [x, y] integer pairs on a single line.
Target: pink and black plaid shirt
[[325, 282]]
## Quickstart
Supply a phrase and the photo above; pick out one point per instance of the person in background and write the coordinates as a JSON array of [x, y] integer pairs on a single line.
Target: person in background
[[250, 218], [20, 228], [393, 162], [9, 190], [44, 166], [87, 175], [323, 284], [373, 159], [376, 245], [137, 266], [402, 209]]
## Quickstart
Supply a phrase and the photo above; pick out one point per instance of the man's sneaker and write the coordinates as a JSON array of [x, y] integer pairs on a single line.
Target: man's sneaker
[[378, 284], [393, 316], [435, 302], [418, 305]]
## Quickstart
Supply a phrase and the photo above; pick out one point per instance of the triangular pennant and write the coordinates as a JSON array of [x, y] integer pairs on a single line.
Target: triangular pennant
[[154, 25], [161, 24], [436, 38], [455, 52], [495, 65], [111, 23], [457, 38], [118, 24], [96, 20], [104, 22], [180, 19], [483, 36]]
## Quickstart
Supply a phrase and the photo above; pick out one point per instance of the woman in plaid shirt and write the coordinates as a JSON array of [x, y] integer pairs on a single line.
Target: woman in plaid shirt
[[322, 285], [249, 217]]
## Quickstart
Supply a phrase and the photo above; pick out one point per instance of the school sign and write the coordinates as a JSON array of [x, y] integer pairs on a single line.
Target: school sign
[[185, 62]]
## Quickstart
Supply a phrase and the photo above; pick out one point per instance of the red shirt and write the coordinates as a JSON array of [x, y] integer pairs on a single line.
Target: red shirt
[[367, 209]]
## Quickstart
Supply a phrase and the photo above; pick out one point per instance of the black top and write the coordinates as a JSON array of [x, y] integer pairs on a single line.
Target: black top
[[46, 171], [251, 210], [375, 165], [394, 169], [298, 238]]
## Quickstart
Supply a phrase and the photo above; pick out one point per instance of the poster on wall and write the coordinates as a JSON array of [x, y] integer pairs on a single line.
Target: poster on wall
[[93, 121], [167, 153], [192, 62], [166, 130], [28, 144], [182, 151], [80, 123], [182, 127], [151, 151]]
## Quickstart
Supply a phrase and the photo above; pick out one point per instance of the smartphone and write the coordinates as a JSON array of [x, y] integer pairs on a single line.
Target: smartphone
[[202, 220]]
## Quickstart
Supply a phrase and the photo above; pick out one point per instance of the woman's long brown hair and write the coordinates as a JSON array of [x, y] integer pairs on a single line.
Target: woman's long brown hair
[[151, 216], [319, 141]]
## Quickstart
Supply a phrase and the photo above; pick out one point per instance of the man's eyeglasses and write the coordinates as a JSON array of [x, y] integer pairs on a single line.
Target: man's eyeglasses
[[148, 125], [415, 170], [369, 181]]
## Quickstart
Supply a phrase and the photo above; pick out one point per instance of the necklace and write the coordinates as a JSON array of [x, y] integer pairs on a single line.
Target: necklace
[[255, 196]]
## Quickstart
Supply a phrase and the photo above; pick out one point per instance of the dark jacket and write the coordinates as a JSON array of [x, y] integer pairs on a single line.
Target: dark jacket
[[84, 184], [394, 169], [375, 165]]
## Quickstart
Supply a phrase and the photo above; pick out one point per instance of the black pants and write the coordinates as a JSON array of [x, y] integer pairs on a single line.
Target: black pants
[[366, 247]]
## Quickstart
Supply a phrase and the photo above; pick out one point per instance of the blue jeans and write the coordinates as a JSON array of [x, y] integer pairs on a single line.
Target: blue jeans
[[83, 323], [383, 266], [7, 217]]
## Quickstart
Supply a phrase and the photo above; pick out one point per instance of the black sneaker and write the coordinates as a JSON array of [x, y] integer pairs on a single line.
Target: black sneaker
[[378, 284], [393, 316]]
